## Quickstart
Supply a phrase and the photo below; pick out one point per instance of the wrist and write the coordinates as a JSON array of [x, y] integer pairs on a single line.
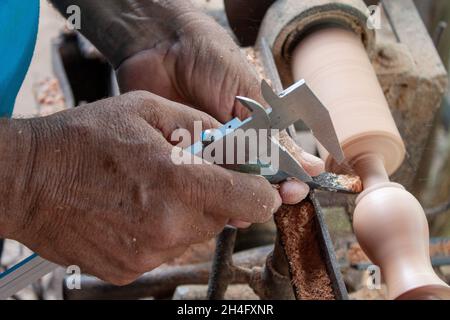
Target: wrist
[[16, 147], [123, 28]]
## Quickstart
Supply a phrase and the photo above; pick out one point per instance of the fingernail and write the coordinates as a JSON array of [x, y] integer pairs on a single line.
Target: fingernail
[[311, 159], [292, 192], [303, 189]]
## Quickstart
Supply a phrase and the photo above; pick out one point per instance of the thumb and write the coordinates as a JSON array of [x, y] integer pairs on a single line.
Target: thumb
[[169, 116], [234, 195]]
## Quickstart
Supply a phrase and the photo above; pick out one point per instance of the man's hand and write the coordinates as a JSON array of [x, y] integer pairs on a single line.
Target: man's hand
[[96, 187], [171, 48], [204, 68]]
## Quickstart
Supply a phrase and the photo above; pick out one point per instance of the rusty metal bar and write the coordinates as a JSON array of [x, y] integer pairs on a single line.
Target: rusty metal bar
[[270, 284], [162, 282], [334, 272], [222, 267]]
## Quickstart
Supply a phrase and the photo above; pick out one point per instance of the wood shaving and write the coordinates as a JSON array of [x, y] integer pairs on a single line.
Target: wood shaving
[[296, 225]]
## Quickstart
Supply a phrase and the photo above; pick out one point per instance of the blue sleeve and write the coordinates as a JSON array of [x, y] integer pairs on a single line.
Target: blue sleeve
[[18, 30]]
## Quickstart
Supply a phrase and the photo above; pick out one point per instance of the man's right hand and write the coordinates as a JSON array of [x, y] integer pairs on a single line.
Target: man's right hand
[[96, 187]]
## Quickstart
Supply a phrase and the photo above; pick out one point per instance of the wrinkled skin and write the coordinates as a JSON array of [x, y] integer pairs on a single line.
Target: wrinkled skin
[[95, 186], [204, 68], [100, 189]]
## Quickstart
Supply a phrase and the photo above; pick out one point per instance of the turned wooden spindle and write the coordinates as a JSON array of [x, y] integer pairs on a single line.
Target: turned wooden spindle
[[391, 227], [389, 222]]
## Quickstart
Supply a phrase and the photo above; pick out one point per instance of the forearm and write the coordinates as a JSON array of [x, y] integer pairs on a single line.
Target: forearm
[[15, 152], [121, 28]]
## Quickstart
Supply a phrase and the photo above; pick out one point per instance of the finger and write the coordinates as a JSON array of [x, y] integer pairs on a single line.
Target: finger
[[313, 165], [239, 224], [293, 191], [235, 195], [168, 116], [183, 125], [250, 87]]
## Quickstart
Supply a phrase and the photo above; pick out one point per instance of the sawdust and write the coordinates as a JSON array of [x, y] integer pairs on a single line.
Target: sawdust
[[254, 60], [290, 145], [49, 96], [350, 182], [296, 225]]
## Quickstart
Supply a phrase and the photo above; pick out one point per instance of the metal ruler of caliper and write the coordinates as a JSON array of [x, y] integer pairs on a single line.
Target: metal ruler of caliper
[[23, 274]]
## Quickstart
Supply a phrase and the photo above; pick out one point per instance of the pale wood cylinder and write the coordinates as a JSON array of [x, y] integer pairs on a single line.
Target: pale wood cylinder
[[335, 65]]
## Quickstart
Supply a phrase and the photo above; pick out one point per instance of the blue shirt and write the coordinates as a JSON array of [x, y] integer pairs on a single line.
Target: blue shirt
[[18, 30]]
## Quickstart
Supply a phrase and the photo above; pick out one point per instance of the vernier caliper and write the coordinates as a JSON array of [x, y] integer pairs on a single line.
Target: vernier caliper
[[293, 104]]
